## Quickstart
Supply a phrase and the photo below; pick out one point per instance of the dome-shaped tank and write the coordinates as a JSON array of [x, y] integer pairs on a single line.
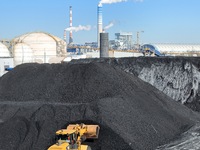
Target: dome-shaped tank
[[22, 54], [44, 46], [4, 51]]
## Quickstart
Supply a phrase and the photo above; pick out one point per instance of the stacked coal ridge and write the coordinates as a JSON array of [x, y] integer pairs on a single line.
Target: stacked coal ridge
[[38, 99], [177, 77]]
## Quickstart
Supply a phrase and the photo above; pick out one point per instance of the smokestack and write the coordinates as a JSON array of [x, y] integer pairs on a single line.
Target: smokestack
[[70, 25], [100, 23], [104, 45]]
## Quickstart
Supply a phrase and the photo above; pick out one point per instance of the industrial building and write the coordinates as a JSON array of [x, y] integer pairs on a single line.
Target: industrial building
[[171, 49], [123, 41], [91, 44]]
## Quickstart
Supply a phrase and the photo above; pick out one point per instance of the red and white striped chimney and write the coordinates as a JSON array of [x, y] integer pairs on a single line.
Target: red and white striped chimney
[[70, 25]]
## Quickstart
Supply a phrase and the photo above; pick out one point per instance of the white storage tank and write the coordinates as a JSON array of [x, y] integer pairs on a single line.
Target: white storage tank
[[4, 51], [22, 54], [43, 47]]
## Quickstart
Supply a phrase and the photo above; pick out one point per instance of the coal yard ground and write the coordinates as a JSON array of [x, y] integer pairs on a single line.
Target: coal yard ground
[[38, 99]]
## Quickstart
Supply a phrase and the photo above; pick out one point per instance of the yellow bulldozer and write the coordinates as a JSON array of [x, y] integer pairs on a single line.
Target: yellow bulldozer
[[72, 137]]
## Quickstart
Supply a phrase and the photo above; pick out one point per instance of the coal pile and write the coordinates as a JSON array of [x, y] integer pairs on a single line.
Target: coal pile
[[177, 77], [62, 83], [38, 99]]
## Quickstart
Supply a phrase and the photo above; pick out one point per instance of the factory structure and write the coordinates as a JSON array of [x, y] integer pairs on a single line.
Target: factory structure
[[171, 49], [41, 47], [123, 41]]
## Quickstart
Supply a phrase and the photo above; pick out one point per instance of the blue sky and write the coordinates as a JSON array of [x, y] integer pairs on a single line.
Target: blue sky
[[163, 21]]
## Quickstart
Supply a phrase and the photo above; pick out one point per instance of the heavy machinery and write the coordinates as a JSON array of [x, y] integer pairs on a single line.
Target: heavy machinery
[[72, 137]]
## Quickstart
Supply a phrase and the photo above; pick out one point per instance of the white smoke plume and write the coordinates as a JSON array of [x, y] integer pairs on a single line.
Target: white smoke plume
[[79, 28], [109, 25], [111, 1], [116, 1]]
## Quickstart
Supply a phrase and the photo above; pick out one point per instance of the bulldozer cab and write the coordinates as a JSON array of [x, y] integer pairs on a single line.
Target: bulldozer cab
[[72, 137], [72, 140], [69, 137], [61, 137]]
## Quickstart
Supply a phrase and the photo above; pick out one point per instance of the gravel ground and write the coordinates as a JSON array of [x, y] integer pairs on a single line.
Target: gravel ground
[[38, 99]]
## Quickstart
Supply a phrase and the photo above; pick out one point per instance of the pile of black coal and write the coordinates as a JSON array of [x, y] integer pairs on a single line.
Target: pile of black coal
[[38, 99]]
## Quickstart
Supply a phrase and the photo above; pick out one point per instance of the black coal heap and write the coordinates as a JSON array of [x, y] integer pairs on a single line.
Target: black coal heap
[[38, 99]]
